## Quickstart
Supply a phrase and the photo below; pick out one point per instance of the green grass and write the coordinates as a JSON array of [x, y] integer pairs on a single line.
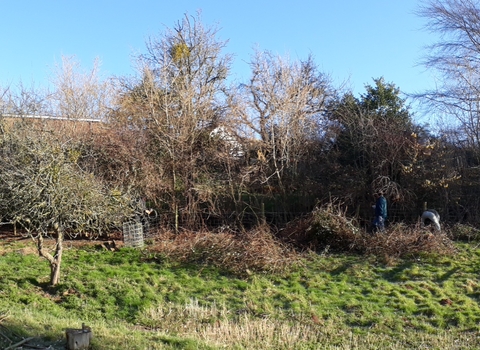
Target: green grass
[[326, 302]]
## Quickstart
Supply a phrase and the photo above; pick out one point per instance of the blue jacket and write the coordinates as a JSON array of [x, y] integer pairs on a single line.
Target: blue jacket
[[381, 207]]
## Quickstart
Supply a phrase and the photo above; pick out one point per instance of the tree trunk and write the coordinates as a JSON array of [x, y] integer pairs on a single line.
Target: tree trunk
[[56, 260], [55, 268], [175, 203]]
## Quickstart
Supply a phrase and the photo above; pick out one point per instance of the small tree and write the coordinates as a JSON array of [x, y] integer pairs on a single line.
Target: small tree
[[376, 143], [43, 189]]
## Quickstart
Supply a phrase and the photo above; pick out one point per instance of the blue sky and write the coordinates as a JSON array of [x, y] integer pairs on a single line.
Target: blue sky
[[349, 39]]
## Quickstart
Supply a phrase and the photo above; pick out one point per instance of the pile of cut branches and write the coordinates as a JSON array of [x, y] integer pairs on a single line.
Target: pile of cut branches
[[400, 240], [239, 253], [327, 227]]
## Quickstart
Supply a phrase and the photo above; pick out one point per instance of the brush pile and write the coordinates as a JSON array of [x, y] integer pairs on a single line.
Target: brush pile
[[327, 227], [237, 252]]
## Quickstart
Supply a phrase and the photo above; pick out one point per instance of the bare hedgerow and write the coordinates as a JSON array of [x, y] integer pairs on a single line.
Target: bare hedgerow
[[239, 253], [326, 228]]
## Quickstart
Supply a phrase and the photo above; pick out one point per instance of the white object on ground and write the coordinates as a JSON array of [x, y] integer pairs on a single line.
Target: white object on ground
[[433, 216]]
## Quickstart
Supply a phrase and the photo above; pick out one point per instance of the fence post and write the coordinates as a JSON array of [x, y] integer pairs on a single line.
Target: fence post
[[264, 220]]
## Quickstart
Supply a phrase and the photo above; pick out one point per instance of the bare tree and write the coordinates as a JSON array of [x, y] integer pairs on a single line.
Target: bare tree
[[24, 100], [79, 93], [3, 99], [456, 59], [44, 186], [285, 105], [176, 101]]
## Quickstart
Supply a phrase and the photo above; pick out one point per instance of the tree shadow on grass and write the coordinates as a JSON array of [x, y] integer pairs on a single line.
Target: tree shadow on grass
[[29, 336], [396, 274], [350, 263], [26, 336], [44, 286], [448, 274], [341, 269]]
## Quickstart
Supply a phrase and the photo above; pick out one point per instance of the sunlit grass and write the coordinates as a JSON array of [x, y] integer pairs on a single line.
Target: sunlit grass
[[328, 301]]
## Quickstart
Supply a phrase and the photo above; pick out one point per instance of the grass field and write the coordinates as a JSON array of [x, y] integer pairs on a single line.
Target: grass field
[[136, 299]]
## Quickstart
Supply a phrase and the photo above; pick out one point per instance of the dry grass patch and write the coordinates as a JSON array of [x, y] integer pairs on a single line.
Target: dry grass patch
[[215, 326]]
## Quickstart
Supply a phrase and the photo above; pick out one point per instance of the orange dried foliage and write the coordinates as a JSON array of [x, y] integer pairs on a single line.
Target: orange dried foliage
[[239, 253]]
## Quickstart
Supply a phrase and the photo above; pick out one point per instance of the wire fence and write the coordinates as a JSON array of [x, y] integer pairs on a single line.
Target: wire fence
[[133, 234], [452, 211]]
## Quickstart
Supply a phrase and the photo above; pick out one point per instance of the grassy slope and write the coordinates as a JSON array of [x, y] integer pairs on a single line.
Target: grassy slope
[[334, 301]]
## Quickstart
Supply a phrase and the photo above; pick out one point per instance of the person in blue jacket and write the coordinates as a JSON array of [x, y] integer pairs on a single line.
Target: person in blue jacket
[[380, 212]]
